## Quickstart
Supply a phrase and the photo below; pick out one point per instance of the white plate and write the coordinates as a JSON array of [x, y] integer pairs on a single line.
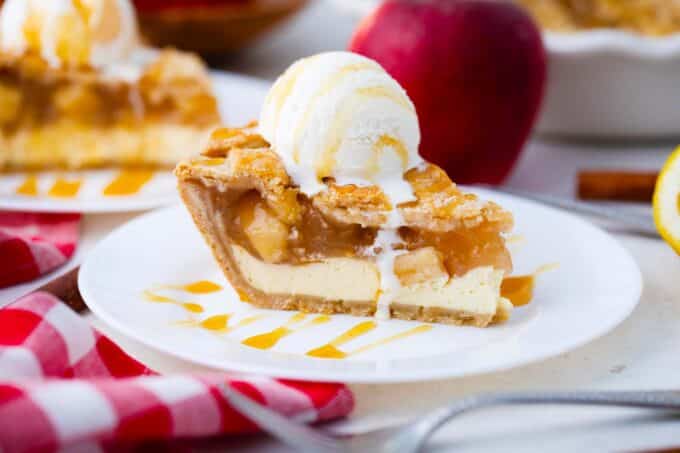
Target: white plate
[[595, 287], [240, 99]]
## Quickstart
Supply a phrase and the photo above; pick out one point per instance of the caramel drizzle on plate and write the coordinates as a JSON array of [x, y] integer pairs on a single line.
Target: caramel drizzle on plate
[[191, 307], [29, 187], [331, 351], [65, 187], [269, 339], [519, 289], [128, 182], [125, 183], [197, 287], [220, 323], [399, 336]]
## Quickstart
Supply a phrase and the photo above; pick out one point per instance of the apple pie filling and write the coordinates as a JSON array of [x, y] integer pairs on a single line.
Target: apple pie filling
[[251, 224]]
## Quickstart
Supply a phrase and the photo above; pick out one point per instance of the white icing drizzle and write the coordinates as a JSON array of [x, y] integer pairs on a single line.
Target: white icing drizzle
[[385, 241]]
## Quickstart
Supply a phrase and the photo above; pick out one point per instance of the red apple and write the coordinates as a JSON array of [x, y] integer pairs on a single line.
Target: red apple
[[475, 70]]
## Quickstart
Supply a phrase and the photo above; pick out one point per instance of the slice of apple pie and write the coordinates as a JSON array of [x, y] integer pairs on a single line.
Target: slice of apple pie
[[78, 90], [348, 219], [281, 249]]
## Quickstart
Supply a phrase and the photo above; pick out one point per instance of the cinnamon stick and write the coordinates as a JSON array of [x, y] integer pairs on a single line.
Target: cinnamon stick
[[616, 185]]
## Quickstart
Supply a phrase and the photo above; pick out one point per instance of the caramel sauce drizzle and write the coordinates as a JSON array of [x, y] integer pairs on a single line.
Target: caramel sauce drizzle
[[220, 323], [386, 141], [399, 336], [197, 287], [269, 339], [342, 122], [245, 321], [216, 323], [279, 94], [128, 182], [331, 83], [519, 289], [330, 350], [65, 188], [243, 296], [29, 186], [188, 306]]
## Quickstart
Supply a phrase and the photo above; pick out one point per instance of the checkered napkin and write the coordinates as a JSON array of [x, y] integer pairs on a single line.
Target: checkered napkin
[[32, 244], [65, 386]]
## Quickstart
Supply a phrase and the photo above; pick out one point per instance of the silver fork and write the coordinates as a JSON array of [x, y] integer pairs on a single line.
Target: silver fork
[[410, 437]]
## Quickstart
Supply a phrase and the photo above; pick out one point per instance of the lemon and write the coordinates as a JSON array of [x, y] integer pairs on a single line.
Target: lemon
[[666, 201]]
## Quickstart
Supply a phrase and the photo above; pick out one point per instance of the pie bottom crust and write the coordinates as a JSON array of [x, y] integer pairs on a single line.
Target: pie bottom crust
[[202, 209]]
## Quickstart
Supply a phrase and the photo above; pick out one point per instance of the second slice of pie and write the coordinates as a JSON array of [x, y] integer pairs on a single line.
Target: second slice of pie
[[78, 90], [372, 231]]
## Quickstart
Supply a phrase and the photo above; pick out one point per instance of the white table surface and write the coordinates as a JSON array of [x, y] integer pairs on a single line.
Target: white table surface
[[642, 353]]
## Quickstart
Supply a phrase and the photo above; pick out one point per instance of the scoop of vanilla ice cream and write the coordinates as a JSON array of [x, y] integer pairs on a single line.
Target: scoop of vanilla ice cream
[[70, 32], [341, 115]]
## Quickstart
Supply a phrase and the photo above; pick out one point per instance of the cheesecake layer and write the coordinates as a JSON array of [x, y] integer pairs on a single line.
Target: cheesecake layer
[[348, 279], [358, 280]]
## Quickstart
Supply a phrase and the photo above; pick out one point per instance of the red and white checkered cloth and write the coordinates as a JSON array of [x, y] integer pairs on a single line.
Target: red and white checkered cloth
[[32, 244], [65, 386]]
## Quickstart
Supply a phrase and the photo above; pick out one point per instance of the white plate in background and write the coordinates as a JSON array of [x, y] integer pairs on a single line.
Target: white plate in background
[[611, 84], [240, 99], [595, 286]]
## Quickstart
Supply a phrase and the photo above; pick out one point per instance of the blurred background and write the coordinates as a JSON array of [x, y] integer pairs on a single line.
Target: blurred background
[[612, 62], [610, 67], [259, 38], [568, 97]]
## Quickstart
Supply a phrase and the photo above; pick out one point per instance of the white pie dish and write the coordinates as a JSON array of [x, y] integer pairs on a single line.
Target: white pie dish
[[611, 84]]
